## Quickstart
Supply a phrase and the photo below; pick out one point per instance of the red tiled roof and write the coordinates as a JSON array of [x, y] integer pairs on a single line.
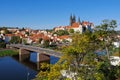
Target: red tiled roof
[[45, 38], [63, 37], [8, 34], [75, 25], [84, 23], [37, 36]]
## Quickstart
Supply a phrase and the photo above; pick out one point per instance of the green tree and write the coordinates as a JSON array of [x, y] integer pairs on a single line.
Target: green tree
[[49, 30], [74, 59], [2, 45], [71, 30], [40, 39], [61, 32], [27, 33], [24, 41], [5, 30], [15, 39], [46, 43], [79, 56], [106, 32]]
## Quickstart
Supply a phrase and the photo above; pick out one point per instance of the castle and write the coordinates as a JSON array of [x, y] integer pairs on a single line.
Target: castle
[[77, 26]]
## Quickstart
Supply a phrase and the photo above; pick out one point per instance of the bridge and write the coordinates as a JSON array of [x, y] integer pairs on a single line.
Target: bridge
[[43, 54], [37, 49]]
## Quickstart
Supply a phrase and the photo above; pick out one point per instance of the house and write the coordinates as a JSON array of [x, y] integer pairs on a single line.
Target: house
[[12, 29], [87, 25], [64, 37], [29, 41], [8, 37], [2, 31], [59, 28], [76, 27], [2, 37]]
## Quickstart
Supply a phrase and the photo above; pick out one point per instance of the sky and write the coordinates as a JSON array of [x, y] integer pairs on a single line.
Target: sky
[[47, 14]]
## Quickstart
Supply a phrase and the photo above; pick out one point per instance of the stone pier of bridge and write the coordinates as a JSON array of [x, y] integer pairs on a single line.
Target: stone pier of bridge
[[23, 54]]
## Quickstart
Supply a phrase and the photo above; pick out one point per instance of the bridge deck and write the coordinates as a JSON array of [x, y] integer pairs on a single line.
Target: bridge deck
[[37, 49]]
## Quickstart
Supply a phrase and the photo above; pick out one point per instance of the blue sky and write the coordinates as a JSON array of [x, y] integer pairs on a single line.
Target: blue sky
[[46, 14]]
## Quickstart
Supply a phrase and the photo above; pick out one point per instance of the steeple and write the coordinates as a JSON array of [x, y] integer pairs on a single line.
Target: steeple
[[79, 22], [71, 20], [74, 19]]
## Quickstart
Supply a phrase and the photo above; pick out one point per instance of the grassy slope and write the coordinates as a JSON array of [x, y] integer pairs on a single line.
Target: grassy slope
[[8, 52]]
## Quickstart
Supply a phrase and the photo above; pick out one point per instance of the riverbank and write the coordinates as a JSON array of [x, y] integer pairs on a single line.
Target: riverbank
[[8, 52]]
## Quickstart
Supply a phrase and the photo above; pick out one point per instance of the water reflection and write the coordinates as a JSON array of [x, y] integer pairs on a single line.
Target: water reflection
[[53, 59], [33, 58], [10, 69], [13, 69]]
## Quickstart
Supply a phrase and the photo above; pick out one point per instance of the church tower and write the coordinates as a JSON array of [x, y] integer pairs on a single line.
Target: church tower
[[71, 20], [79, 22]]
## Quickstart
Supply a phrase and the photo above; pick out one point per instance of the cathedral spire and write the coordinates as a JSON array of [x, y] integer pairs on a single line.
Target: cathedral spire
[[74, 19], [79, 22], [71, 20]]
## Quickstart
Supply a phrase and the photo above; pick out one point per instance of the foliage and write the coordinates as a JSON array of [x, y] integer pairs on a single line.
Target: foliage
[[82, 55], [2, 45], [79, 57], [74, 56], [27, 33], [5, 30], [40, 39], [15, 39], [43, 73], [46, 68], [46, 43], [71, 30], [49, 30], [8, 52], [107, 33], [24, 41], [61, 32]]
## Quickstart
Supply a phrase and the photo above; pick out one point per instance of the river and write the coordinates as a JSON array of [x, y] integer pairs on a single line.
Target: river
[[12, 69]]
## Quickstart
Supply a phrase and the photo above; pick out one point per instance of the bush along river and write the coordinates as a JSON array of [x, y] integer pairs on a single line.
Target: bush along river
[[13, 69]]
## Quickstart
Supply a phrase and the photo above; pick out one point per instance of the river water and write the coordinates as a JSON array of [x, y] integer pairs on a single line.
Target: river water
[[12, 69]]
